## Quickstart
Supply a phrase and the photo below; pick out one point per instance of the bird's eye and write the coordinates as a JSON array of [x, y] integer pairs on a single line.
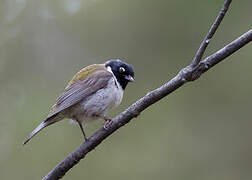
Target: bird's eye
[[121, 69]]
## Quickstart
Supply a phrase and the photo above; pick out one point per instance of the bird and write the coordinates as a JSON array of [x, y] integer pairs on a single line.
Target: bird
[[89, 95]]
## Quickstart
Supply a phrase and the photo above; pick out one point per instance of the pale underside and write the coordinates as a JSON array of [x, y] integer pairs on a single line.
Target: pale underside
[[97, 105]]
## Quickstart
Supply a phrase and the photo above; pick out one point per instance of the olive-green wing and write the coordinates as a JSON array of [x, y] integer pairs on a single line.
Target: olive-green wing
[[81, 88]]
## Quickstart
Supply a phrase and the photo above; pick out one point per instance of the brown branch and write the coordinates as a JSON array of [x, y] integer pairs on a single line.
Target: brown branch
[[210, 34], [187, 74]]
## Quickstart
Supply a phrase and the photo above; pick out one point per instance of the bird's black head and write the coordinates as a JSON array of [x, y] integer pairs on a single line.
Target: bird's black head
[[123, 72]]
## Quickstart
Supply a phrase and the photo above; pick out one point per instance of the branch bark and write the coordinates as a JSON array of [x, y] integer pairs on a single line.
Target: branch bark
[[210, 34], [187, 74]]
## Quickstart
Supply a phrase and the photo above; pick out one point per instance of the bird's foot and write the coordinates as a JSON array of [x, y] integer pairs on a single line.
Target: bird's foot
[[107, 122]]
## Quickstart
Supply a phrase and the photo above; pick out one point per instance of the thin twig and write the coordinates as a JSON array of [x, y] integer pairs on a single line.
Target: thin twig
[[185, 75], [198, 56]]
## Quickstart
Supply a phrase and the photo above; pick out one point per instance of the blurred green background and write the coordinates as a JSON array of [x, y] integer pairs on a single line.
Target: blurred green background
[[201, 131]]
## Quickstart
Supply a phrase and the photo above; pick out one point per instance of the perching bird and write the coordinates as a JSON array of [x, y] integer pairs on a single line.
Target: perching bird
[[91, 93]]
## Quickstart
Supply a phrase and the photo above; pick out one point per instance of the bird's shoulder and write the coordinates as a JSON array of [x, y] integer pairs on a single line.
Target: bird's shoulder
[[86, 72]]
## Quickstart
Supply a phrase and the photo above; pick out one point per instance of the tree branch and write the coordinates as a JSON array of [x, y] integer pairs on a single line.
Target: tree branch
[[187, 74], [210, 34]]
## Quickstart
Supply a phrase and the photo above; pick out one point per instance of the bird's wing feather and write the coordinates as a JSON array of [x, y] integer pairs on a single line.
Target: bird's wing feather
[[80, 89]]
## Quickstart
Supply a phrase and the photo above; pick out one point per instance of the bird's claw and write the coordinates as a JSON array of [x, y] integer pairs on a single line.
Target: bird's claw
[[107, 123]]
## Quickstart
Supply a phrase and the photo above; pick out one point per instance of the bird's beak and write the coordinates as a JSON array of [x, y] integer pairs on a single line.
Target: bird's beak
[[129, 78]]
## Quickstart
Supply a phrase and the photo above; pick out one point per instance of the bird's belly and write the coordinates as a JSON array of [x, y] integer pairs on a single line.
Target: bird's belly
[[98, 104]]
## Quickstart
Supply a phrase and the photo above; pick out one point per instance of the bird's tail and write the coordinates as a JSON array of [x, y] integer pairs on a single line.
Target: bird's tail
[[44, 124]]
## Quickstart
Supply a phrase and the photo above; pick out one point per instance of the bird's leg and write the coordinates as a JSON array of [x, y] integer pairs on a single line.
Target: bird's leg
[[85, 137]]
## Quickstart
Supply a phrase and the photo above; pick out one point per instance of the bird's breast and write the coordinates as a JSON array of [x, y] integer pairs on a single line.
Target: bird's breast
[[110, 97], [99, 103]]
